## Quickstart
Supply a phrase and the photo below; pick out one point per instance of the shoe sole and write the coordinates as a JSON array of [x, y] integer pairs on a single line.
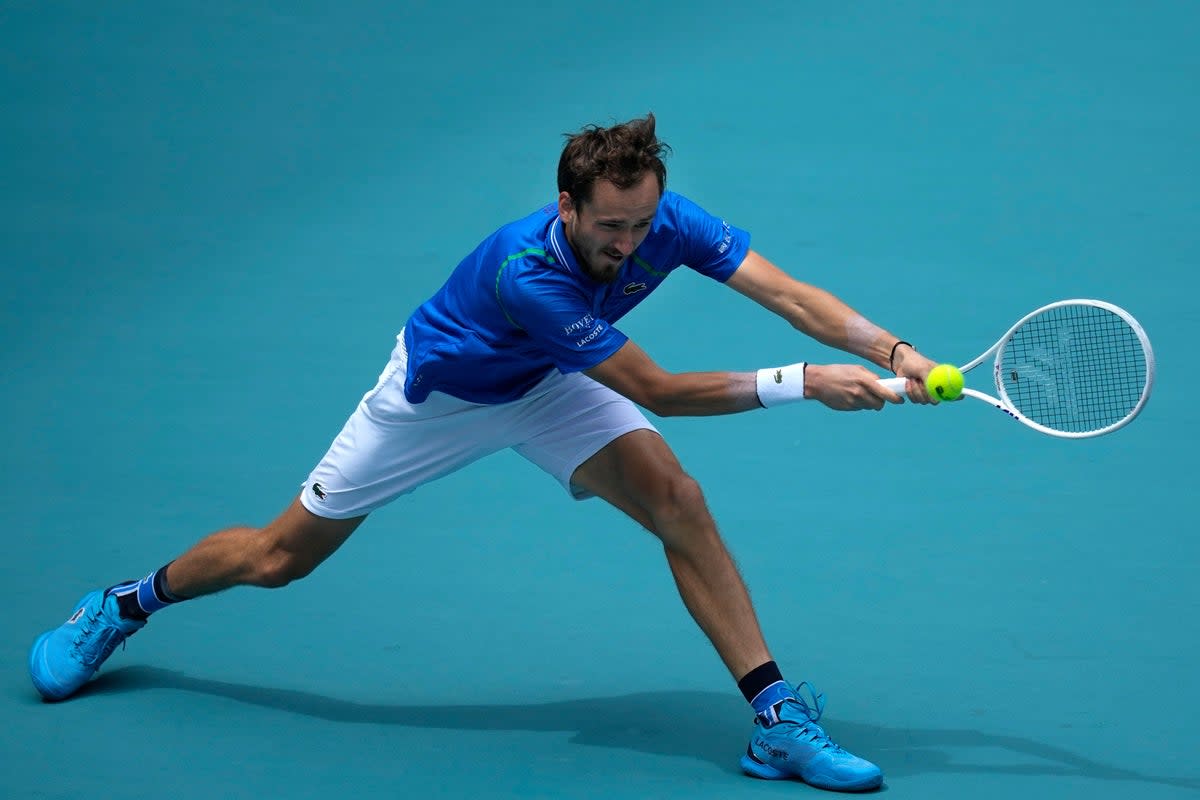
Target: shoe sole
[[757, 769]]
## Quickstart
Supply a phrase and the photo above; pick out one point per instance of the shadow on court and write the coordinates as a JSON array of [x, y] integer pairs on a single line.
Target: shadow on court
[[708, 726]]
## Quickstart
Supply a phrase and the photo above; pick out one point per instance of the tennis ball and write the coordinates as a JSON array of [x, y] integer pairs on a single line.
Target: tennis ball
[[944, 382]]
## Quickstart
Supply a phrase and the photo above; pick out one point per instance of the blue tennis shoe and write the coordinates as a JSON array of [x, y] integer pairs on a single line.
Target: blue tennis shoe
[[789, 744], [64, 659]]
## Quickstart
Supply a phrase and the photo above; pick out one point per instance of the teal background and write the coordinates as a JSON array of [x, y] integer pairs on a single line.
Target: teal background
[[214, 217]]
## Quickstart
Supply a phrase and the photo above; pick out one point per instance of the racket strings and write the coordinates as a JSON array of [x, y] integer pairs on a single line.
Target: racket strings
[[1075, 368]]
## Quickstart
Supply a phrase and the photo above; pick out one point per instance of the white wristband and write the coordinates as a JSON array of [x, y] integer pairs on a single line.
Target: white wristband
[[781, 384]]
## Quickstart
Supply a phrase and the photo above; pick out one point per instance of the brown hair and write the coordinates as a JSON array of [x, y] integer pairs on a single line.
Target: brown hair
[[621, 154]]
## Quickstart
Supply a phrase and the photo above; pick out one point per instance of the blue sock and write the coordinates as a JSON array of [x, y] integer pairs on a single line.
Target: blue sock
[[140, 599], [764, 702]]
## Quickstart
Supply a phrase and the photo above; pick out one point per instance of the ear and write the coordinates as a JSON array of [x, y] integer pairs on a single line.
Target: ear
[[566, 207]]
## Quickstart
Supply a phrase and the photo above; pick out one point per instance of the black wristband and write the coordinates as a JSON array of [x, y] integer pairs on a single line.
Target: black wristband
[[892, 356]]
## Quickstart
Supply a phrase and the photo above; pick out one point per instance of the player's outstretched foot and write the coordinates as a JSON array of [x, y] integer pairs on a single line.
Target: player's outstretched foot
[[65, 658], [795, 746]]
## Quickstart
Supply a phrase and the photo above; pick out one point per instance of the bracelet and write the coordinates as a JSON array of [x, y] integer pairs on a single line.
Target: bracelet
[[780, 384], [892, 356]]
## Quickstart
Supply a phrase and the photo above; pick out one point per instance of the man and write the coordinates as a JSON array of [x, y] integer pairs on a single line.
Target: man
[[518, 350]]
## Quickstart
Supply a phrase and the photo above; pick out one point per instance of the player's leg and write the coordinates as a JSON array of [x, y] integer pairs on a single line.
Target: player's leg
[[287, 549], [639, 474], [64, 659], [387, 448], [597, 442]]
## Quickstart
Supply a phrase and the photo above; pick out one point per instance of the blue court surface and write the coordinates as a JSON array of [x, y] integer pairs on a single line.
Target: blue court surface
[[216, 216]]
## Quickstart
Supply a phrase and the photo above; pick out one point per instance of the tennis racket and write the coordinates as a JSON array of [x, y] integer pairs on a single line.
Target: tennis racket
[[1073, 369]]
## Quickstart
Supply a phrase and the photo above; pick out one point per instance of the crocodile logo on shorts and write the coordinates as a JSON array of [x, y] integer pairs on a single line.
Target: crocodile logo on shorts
[[319, 491], [779, 376]]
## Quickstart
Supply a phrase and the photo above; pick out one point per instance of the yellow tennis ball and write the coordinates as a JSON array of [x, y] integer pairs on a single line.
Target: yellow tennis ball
[[944, 382]]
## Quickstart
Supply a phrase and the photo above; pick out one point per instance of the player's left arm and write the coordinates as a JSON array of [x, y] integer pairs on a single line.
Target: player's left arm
[[818, 313]]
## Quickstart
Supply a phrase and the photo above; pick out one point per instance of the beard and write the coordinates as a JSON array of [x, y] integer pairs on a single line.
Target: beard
[[607, 272]]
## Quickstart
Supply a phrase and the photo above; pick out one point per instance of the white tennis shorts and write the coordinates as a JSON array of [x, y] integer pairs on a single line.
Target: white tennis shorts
[[389, 446]]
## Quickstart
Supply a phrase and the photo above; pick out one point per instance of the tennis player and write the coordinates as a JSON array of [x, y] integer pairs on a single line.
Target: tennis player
[[519, 349]]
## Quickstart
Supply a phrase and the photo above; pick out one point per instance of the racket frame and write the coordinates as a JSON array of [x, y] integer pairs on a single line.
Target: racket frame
[[1005, 404]]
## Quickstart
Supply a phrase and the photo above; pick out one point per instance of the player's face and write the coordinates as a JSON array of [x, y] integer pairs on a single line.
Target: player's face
[[606, 230]]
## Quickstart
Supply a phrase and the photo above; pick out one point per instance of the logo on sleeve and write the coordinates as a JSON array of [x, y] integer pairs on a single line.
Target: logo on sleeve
[[592, 334], [578, 325], [634, 287], [726, 239]]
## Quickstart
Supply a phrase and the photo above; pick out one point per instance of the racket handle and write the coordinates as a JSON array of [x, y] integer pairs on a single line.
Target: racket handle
[[895, 384]]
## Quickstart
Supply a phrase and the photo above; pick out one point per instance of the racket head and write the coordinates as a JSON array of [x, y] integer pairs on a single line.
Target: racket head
[[1075, 368]]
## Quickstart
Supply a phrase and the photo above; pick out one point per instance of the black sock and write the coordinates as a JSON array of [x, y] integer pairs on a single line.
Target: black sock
[[759, 678], [764, 686]]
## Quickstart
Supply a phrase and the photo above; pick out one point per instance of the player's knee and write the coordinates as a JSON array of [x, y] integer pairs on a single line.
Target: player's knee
[[678, 497], [277, 566], [280, 569]]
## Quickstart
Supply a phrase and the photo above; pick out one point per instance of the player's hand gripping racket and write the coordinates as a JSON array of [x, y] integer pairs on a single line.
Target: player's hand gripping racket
[[1075, 368]]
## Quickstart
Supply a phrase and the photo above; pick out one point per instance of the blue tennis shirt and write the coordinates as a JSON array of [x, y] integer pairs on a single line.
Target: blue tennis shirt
[[519, 305]]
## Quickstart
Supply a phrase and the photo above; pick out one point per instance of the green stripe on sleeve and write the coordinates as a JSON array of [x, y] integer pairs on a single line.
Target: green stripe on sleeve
[[532, 251], [645, 266]]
